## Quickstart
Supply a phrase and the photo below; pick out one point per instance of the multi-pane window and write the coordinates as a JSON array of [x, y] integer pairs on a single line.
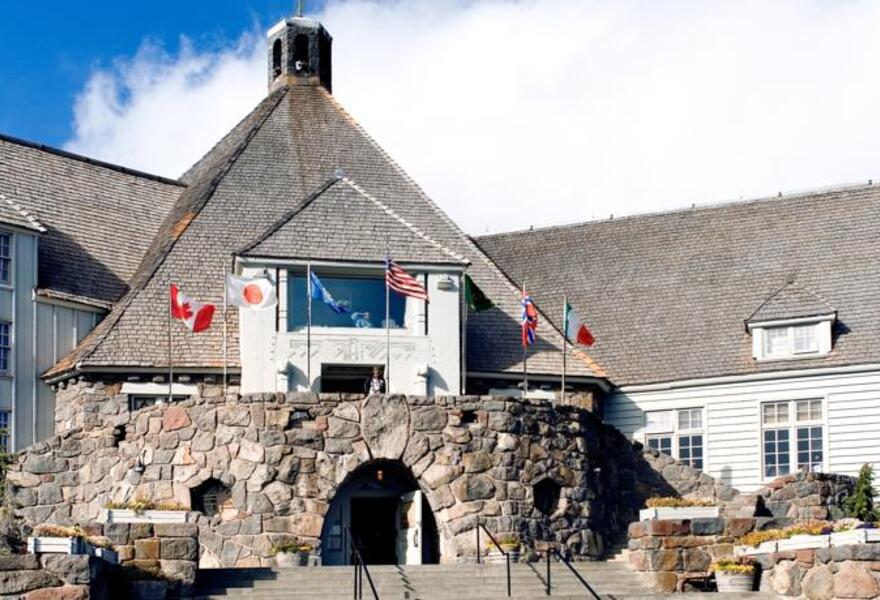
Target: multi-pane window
[[678, 433], [690, 450], [5, 423], [798, 421], [5, 346], [5, 257], [661, 443], [780, 342]]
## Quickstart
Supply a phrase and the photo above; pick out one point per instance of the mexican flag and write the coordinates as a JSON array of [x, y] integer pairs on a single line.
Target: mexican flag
[[575, 330]]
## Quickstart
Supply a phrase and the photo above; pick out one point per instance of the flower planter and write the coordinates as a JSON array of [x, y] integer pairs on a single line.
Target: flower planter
[[685, 512], [285, 560], [494, 556], [105, 553], [56, 545], [804, 542], [763, 548], [734, 582], [125, 515], [855, 536]]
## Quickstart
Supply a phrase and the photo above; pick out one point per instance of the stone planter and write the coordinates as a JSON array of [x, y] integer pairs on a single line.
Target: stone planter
[[764, 548], [125, 515], [56, 545], [734, 582], [687, 512], [286, 560], [855, 536], [804, 542]]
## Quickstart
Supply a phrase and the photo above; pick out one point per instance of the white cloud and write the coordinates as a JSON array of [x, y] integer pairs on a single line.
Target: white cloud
[[513, 114]]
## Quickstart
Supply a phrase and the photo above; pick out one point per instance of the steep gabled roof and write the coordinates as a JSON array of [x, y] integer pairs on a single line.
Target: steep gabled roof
[[290, 145], [13, 213], [791, 301], [666, 294], [98, 218], [340, 221]]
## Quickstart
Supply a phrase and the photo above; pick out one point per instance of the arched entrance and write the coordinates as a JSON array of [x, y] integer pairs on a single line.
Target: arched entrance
[[388, 515]]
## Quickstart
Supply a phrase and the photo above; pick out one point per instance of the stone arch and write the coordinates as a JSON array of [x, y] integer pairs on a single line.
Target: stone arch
[[380, 482]]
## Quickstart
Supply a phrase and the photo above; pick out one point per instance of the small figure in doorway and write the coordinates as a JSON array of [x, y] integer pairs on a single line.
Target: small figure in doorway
[[375, 384]]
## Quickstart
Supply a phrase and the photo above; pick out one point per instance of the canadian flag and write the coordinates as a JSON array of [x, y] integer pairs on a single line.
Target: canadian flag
[[194, 314]]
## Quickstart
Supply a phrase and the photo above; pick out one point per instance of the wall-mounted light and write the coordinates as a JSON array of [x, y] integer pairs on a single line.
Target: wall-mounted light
[[446, 284], [380, 475]]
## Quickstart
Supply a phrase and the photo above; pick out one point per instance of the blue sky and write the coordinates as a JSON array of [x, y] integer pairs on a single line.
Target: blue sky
[[615, 108], [50, 48]]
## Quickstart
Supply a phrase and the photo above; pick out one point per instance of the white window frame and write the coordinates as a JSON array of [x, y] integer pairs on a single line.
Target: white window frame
[[792, 425], [9, 284], [6, 438], [9, 358], [822, 337], [675, 431]]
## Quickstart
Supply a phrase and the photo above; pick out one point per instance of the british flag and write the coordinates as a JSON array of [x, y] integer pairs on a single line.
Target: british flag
[[402, 282], [529, 320]]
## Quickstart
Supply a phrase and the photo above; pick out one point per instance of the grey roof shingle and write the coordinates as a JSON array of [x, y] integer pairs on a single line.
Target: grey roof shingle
[[99, 218], [340, 221], [13, 213], [296, 139], [666, 294], [791, 301]]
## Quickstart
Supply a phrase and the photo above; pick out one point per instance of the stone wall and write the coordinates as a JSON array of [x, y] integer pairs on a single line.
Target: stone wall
[[283, 456], [55, 577], [806, 496], [823, 574], [157, 560]]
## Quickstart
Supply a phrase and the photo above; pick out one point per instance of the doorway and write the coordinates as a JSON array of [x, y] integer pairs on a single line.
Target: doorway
[[345, 379], [388, 516], [374, 525]]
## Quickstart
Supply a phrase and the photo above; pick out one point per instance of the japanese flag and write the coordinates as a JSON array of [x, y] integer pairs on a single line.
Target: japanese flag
[[250, 292], [194, 314]]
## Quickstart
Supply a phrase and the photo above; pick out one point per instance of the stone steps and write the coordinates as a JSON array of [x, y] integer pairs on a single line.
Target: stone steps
[[441, 582]]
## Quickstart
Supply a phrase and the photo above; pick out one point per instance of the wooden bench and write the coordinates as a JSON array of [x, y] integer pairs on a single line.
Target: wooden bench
[[683, 578]]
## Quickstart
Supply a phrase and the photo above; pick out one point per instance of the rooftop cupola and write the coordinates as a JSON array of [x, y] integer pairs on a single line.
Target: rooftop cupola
[[299, 50]]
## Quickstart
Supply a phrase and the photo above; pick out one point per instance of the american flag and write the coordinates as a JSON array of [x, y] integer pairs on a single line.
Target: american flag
[[402, 282], [529, 320]]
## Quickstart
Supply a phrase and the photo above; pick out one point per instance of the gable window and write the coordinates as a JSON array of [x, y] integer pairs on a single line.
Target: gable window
[[5, 347], [362, 296], [793, 437], [5, 257], [678, 433], [795, 338]]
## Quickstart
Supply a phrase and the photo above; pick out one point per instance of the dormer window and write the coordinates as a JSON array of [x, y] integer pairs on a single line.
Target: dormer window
[[800, 338], [792, 323]]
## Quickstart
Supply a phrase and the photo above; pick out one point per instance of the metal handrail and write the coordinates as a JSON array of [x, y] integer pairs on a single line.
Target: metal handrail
[[497, 545], [360, 567], [564, 561]]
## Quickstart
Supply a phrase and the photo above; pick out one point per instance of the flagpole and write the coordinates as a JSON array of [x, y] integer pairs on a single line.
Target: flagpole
[[309, 327], [525, 347], [170, 364], [387, 332], [225, 333], [564, 340]]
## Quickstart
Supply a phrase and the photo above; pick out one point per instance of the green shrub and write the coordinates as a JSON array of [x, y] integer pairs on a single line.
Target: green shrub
[[860, 505]]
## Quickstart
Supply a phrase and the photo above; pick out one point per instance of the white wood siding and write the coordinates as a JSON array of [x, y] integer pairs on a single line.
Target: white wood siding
[[732, 428]]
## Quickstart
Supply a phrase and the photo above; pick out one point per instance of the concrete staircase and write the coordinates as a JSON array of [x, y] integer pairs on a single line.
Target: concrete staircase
[[613, 580]]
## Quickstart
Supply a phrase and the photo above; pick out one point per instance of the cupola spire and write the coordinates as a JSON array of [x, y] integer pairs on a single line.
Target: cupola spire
[[299, 52]]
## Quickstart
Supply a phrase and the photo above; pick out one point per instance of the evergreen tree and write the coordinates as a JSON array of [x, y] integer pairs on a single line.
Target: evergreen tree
[[860, 504]]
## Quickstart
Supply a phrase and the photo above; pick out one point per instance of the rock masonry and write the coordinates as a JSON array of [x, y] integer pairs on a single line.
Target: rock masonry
[[283, 456]]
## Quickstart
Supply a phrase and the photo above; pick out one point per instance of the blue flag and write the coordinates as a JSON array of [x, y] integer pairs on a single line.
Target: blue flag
[[319, 292]]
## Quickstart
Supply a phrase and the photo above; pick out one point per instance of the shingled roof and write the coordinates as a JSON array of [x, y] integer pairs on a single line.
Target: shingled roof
[[340, 221], [291, 144], [791, 301], [98, 218], [666, 294]]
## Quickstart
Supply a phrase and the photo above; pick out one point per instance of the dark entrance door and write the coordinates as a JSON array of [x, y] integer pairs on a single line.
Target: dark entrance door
[[374, 525], [345, 379]]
